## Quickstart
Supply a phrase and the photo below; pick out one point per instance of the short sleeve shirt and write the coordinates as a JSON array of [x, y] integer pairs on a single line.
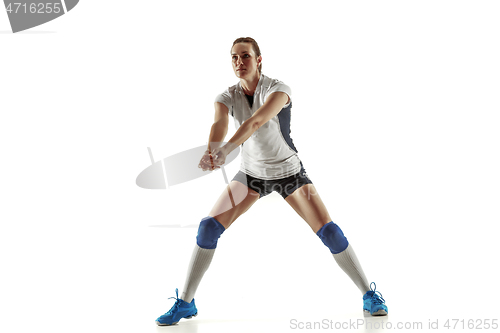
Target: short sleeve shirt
[[269, 153]]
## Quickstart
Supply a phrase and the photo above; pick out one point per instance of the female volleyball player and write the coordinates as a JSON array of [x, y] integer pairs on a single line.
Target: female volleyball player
[[269, 162]]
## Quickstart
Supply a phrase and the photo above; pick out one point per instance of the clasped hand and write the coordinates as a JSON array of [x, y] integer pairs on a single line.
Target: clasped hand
[[213, 159]]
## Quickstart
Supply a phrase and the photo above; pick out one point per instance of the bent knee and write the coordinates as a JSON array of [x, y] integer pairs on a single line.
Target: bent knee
[[333, 237], [209, 232]]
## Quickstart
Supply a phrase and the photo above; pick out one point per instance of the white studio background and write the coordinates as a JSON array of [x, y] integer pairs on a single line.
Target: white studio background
[[395, 116]]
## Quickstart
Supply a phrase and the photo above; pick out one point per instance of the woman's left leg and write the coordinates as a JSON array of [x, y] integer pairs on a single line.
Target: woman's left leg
[[308, 204]]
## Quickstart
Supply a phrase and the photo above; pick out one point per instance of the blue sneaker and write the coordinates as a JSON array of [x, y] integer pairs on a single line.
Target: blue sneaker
[[374, 303], [181, 309]]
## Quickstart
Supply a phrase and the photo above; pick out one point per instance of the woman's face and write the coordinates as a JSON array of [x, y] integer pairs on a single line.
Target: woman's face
[[245, 63]]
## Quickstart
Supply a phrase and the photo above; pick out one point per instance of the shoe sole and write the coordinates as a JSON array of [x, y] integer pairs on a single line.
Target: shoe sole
[[188, 317], [380, 312]]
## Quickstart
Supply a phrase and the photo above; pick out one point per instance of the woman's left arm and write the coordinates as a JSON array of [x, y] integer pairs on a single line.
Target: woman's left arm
[[273, 105]]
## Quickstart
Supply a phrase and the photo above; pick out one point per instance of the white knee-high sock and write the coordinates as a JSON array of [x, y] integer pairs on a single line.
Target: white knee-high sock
[[349, 263], [200, 261]]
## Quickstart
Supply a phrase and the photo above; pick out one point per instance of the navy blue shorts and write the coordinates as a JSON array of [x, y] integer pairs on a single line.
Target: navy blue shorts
[[284, 186]]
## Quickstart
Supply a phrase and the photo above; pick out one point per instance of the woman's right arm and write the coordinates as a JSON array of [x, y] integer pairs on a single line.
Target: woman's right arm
[[219, 127], [217, 134]]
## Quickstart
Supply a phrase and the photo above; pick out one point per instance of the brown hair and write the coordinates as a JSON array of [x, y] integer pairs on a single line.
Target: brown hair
[[255, 47]]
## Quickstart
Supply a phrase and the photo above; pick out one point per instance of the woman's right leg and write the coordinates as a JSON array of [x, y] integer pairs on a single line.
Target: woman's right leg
[[236, 199]]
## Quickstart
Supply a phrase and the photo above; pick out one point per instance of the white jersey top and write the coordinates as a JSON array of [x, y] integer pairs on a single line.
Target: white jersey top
[[269, 153]]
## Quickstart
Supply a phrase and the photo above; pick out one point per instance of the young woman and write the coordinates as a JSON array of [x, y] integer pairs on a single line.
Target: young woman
[[261, 108]]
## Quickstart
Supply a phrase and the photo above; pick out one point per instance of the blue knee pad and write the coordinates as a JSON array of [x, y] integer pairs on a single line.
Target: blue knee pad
[[333, 237], [209, 232]]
